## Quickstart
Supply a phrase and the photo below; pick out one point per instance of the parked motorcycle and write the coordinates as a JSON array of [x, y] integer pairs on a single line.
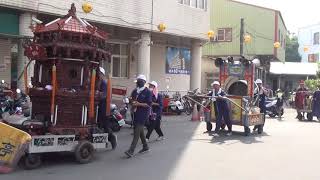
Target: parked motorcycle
[[18, 110], [116, 119], [125, 111], [176, 105], [187, 103], [274, 106]]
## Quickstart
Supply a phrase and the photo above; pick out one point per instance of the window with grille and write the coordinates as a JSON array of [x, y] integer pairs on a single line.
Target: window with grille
[[119, 60]]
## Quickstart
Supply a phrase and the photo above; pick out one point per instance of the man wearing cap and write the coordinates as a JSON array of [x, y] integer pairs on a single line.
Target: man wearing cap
[[261, 92], [141, 101], [103, 120], [222, 108], [157, 104]]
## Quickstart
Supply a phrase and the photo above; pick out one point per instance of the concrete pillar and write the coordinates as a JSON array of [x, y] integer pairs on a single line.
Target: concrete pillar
[[279, 82], [144, 55], [196, 54], [25, 20]]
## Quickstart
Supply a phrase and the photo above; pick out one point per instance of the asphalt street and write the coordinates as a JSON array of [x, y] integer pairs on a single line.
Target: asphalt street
[[288, 149]]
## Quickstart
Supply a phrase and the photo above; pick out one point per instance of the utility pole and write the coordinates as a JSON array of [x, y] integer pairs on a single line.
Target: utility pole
[[241, 35]]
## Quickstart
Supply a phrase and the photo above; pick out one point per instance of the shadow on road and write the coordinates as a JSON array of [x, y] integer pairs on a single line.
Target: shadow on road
[[238, 137], [158, 164]]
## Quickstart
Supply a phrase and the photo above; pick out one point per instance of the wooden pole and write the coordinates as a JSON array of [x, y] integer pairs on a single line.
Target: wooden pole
[[54, 86], [25, 73], [92, 90], [109, 93]]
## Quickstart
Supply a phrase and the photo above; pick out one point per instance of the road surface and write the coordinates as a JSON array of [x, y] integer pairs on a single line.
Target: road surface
[[288, 149]]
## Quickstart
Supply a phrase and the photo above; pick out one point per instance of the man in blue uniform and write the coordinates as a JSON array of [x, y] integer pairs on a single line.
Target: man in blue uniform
[[142, 103], [103, 120], [262, 93], [222, 108]]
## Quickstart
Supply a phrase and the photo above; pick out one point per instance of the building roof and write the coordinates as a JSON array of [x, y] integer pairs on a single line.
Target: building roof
[[275, 10], [294, 68]]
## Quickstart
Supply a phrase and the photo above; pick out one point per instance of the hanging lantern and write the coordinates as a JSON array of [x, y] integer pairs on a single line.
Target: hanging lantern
[[247, 38], [306, 49], [86, 7], [162, 27], [276, 44], [210, 34]]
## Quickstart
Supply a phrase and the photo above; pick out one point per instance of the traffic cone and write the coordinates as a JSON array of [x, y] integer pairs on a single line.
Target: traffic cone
[[195, 114], [201, 113]]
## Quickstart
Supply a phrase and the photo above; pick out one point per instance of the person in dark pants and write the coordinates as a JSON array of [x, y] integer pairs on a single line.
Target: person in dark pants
[[299, 100], [218, 96], [262, 93], [157, 105], [142, 100], [103, 120]]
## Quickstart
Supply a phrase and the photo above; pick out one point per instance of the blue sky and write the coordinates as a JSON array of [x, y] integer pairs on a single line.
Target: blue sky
[[296, 13]]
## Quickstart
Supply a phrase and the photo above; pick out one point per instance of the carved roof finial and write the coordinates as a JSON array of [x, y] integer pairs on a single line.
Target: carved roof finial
[[73, 10]]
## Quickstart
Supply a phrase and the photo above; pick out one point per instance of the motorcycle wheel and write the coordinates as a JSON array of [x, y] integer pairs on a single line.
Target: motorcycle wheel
[[115, 127], [178, 111], [188, 109]]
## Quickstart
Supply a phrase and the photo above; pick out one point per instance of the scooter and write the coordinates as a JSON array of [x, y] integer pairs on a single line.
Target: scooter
[[117, 120], [274, 106], [18, 111], [176, 106]]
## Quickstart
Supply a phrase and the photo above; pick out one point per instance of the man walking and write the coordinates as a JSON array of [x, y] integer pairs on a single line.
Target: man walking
[[141, 101], [261, 92], [103, 120]]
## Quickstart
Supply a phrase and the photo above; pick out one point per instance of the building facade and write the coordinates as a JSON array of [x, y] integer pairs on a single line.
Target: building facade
[[171, 57], [309, 43], [264, 26]]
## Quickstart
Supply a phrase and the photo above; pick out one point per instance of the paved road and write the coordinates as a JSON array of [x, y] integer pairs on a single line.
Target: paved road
[[287, 150]]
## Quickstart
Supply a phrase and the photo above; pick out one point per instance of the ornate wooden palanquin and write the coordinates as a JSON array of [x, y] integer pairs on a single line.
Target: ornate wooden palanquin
[[76, 48]]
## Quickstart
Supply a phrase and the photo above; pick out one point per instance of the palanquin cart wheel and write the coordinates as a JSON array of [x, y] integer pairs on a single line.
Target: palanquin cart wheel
[[84, 152]]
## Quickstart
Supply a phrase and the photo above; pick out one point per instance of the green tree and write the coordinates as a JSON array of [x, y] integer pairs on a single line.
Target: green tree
[[292, 46]]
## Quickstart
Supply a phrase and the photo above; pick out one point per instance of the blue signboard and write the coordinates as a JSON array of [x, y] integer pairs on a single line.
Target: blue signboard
[[178, 60]]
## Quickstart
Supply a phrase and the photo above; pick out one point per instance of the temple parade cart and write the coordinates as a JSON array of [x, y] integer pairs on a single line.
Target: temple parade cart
[[237, 79], [65, 95]]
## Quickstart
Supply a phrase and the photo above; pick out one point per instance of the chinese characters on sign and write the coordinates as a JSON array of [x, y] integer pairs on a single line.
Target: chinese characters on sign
[[6, 148], [178, 60]]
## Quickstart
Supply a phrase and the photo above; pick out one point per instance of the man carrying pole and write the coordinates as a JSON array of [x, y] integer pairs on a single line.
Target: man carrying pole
[[222, 108]]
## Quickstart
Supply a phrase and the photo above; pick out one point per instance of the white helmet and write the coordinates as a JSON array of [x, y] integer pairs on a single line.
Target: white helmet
[[258, 81], [215, 83], [154, 83], [101, 69], [141, 76]]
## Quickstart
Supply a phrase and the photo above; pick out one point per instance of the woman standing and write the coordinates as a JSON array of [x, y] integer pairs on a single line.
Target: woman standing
[[316, 103], [157, 105]]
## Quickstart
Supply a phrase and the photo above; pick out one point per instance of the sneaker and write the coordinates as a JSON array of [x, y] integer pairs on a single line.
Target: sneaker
[[215, 134], [160, 138], [129, 154], [147, 140], [229, 134], [144, 150]]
